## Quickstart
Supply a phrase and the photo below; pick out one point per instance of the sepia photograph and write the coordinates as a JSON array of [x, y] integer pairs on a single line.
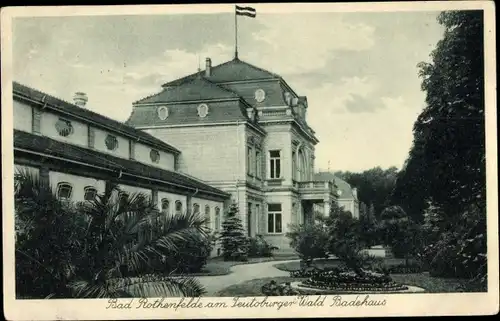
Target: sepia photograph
[[205, 158]]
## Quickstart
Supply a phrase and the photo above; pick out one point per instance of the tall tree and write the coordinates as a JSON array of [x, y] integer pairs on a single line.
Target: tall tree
[[233, 239], [447, 162], [374, 185]]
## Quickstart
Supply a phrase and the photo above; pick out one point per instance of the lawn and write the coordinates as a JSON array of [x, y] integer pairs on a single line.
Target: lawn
[[252, 287], [422, 280], [431, 284], [327, 263]]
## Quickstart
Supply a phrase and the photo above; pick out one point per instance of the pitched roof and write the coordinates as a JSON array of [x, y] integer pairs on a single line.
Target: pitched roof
[[90, 116], [233, 70], [344, 187], [195, 89], [67, 151]]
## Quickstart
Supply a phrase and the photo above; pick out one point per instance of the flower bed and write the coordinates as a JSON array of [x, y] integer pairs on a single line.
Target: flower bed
[[314, 272], [349, 281]]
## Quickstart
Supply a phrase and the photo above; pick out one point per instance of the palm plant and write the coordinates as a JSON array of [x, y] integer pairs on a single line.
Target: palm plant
[[97, 249], [123, 236]]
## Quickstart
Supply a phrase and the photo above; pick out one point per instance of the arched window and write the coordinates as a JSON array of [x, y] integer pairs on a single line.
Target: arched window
[[217, 218], [207, 215], [196, 208], [165, 206], [90, 193], [64, 191], [123, 198], [178, 207]]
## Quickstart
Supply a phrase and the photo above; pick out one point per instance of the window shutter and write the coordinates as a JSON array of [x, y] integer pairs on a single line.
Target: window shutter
[[91, 137], [37, 117], [132, 149]]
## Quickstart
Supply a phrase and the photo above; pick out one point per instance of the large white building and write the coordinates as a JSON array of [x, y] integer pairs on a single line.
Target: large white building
[[239, 129]]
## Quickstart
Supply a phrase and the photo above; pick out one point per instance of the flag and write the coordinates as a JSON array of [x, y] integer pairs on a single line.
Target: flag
[[246, 11]]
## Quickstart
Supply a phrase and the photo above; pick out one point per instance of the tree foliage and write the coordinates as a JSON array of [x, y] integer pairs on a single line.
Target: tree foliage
[[368, 225], [447, 161], [309, 241], [374, 185], [443, 182], [400, 232]]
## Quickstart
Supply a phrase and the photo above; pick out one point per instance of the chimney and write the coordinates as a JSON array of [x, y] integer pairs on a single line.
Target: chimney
[[80, 99], [208, 67], [355, 192]]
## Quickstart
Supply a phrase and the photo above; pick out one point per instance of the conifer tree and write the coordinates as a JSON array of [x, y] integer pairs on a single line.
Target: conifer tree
[[233, 239]]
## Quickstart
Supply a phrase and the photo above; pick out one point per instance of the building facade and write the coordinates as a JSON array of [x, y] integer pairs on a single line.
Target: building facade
[[347, 195], [242, 130], [240, 135]]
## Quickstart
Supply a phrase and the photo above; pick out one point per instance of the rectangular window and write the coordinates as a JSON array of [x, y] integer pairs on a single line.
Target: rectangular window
[[274, 164], [294, 165], [258, 164], [257, 218], [274, 218]]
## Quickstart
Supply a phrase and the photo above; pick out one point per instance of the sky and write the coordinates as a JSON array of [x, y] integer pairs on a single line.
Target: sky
[[358, 70]]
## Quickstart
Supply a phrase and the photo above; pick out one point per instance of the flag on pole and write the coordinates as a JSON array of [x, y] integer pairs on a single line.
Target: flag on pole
[[246, 11]]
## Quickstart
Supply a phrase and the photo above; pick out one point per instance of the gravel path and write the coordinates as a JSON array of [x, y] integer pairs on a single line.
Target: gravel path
[[241, 273]]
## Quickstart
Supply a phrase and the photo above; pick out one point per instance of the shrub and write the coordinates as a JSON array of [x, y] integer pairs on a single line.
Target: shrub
[[309, 241], [259, 247], [400, 232]]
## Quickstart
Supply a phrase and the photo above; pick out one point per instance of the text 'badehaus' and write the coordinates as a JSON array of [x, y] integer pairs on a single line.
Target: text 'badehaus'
[[230, 133]]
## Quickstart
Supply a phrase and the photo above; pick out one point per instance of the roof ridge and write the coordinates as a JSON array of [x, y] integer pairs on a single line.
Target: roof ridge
[[221, 87], [259, 68], [44, 93]]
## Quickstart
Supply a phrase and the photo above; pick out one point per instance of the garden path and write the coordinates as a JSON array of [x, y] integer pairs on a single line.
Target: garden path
[[241, 273]]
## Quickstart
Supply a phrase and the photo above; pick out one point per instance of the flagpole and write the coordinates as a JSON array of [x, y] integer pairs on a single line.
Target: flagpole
[[235, 34]]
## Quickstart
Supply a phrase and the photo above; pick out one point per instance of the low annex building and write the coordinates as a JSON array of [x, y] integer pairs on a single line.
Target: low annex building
[[76, 151]]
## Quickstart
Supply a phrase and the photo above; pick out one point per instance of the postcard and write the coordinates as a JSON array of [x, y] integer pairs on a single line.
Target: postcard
[[249, 160]]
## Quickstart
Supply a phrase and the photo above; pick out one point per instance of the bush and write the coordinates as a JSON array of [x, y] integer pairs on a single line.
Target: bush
[[309, 241], [259, 247]]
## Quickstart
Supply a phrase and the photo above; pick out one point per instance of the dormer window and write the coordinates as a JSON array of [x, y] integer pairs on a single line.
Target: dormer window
[[111, 142], [203, 110], [154, 155], [64, 127], [260, 95], [162, 112]]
